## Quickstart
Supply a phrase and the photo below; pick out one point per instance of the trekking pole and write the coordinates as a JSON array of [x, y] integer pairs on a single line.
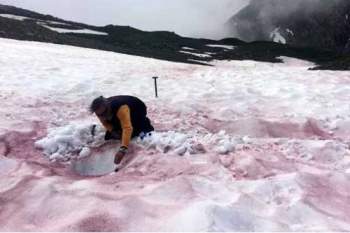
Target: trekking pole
[[155, 86]]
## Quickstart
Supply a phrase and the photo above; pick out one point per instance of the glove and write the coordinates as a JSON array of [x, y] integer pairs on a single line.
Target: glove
[[120, 154], [112, 135]]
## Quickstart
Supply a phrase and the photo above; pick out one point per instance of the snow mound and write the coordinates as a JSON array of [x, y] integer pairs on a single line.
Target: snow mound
[[71, 141], [75, 141], [327, 152], [82, 145], [193, 142]]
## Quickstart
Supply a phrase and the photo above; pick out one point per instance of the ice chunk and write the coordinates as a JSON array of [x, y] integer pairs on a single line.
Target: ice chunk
[[95, 165], [73, 140]]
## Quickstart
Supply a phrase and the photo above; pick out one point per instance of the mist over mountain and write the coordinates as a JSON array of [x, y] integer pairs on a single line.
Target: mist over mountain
[[191, 18], [317, 23]]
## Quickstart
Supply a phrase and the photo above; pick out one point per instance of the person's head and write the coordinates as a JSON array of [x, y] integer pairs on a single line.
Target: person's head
[[100, 107]]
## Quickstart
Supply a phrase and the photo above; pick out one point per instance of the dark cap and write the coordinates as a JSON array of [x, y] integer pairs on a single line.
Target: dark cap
[[96, 103]]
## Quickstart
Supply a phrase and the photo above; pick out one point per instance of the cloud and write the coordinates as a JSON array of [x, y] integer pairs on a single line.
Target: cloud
[[194, 18], [262, 17]]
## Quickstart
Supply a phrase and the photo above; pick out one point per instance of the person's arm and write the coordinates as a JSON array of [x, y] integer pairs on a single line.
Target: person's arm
[[123, 115], [108, 126]]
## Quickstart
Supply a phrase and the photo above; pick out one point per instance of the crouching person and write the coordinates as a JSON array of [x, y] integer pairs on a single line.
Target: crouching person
[[124, 117]]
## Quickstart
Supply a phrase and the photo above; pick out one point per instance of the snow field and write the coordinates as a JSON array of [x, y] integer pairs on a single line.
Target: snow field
[[240, 146]]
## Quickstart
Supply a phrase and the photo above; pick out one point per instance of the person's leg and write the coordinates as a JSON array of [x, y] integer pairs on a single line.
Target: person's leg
[[108, 136], [141, 124], [147, 126], [114, 135], [142, 127]]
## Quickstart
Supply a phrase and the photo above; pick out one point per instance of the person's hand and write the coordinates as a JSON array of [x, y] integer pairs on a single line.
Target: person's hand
[[120, 154]]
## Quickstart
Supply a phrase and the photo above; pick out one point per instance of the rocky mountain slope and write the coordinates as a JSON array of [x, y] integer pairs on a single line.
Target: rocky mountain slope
[[21, 24]]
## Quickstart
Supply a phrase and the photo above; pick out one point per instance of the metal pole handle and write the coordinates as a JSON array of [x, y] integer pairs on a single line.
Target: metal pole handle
[[155, 86]]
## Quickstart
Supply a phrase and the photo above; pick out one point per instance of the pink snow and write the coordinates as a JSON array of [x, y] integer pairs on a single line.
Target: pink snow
[[273, 171]]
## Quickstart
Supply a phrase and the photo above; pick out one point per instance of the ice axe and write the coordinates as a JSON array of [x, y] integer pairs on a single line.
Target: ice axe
[[155, 86]]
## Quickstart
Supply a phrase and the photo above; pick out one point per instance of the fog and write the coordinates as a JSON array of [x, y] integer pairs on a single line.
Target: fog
[[193, 18], [264, 16]]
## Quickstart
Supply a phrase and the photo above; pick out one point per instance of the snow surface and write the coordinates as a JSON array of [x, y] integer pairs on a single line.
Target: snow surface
[[290, 31], [276, 36], [85, 31], [188, 48], [53, 22], [17, 17], [230, 47], [195, 54], [239, 146]]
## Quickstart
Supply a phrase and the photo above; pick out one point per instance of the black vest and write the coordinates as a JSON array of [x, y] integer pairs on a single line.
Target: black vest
[[137, 108]]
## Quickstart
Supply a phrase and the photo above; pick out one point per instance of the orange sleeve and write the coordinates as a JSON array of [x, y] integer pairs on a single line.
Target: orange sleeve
[[125, 122], [107, 126]]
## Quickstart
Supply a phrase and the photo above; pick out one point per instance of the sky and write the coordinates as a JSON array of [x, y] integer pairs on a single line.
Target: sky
[[195, 18]]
